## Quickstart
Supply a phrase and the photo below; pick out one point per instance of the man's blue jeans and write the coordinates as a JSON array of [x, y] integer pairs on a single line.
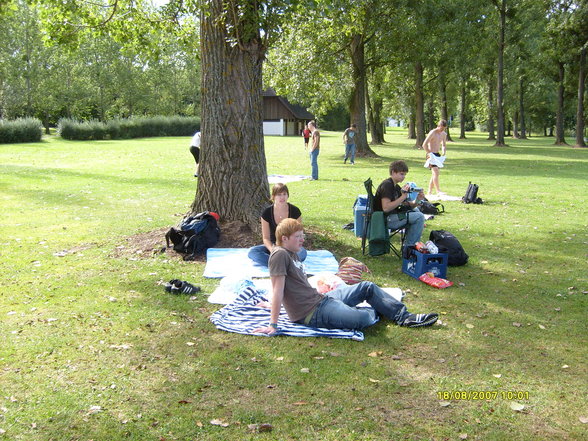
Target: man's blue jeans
[[314, 163], [337, 309], [350, 152], [413, 221], [260, 255]]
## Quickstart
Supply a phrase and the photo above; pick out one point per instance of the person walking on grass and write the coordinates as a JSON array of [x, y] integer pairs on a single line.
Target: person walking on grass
[[335, 309], [314, 149], [349, 141], [435, 146]]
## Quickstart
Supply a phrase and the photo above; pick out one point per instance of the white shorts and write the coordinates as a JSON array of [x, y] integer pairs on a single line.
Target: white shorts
[[435, 160]]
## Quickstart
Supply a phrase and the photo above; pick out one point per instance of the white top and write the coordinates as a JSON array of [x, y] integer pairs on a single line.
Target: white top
[[195, 140]]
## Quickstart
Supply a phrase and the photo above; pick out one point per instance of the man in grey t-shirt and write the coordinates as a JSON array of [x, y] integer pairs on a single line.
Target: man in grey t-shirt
[[336, 309]]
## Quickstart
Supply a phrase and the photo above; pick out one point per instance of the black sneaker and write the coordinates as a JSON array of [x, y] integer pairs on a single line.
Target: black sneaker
[[184, 288], [419, 320], [175, 283]]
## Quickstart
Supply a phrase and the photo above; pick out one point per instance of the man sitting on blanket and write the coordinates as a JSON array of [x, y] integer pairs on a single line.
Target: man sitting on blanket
[[336, 309]]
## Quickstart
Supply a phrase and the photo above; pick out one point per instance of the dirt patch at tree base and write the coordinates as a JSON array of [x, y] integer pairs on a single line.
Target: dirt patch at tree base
[[234, 234]]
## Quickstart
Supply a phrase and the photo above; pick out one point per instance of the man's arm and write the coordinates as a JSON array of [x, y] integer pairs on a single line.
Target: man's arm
[[389, 204], [278, 283], [426, 146]]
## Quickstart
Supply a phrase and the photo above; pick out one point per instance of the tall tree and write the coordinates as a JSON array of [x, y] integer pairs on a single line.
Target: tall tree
[[501, 7], [581, 91]]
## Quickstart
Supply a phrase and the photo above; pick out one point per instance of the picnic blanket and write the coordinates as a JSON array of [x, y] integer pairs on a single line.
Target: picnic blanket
[[284, 179], [442, 197], [221, 262], [243, 316], [230, 287]]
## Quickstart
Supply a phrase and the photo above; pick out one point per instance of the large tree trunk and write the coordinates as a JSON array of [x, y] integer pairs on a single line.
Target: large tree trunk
[[462, 111], [444, 111], [523, 126], [357, 105], [500, 85], [491, 136], [419, 101], [559, 123], [233, 176], [580, 110], [515, 125]]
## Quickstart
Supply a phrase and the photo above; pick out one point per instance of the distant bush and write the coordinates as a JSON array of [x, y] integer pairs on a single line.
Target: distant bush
[[141, 127], [20, 130]]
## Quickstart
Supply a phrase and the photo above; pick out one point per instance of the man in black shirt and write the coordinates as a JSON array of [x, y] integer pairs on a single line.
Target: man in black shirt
[[400, 212]]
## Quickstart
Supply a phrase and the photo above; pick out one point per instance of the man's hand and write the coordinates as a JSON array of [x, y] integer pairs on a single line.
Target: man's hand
[[269, 330], [420, 196]]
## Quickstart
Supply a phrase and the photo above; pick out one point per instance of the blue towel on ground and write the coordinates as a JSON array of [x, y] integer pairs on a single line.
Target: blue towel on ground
[[222, 262], [243, 316]]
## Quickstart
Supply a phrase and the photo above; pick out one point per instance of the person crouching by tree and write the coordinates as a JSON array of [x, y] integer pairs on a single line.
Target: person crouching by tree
[[333, 310]]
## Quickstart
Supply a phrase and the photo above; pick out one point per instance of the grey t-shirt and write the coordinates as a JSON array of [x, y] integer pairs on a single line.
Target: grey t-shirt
[[299, 297]]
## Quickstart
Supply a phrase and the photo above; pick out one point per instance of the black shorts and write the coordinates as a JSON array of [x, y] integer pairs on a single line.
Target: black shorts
[[195, 152]]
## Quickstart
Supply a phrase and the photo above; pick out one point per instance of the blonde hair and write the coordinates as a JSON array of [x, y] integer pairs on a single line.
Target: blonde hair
[[287, 227]]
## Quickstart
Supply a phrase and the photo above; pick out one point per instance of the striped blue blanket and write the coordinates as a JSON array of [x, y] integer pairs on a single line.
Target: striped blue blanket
[[243, 316]]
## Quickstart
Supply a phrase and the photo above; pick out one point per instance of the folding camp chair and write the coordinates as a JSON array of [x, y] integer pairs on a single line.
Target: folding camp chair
[[368, 232]]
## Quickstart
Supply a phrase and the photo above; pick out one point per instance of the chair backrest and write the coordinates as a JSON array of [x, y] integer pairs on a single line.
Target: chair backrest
[[369, 188]]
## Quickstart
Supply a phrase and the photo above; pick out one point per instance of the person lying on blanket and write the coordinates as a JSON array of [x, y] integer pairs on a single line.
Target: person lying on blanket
[[335, 309]]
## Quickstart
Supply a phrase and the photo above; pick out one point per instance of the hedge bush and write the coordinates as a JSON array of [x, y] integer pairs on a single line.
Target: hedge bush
[[140, 127], [20, 130]]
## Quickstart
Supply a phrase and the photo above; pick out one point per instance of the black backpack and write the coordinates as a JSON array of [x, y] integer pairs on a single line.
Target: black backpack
[[434, 208], [471, 195], [196, 234], [448, 243]]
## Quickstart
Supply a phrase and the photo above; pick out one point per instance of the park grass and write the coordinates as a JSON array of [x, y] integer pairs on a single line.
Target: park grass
[[93, 348]]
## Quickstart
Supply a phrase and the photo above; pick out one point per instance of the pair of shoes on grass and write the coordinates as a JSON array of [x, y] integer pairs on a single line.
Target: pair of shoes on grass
[[176, 286], [419, 320]]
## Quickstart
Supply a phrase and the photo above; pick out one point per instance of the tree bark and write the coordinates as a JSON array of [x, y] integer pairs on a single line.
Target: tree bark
[[523, 126], [444, 111], [357, 105], [419, 101], [491, 136], [379, 125], [232, 174], [580, 109], [515, 125], [411, 126], [375, 106], [500, 82], [559, 123], [462, 111]]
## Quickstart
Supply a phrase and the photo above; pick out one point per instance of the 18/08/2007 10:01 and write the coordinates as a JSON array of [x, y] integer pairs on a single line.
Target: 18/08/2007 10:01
[[482, 395]]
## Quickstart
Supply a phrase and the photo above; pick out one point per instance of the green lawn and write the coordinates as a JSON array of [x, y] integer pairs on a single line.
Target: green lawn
[[94, 349]]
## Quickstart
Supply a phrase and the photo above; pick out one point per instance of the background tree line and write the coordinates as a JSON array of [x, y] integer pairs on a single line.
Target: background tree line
[[91, 74], [509, 66]]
